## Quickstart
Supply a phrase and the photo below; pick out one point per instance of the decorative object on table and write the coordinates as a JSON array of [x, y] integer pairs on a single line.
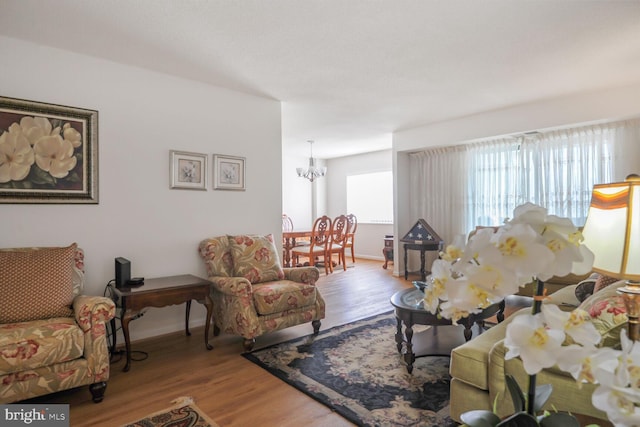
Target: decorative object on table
[[49, 153], [182, 412], [354, 369], [313, 172], [229, 173], [423, 238], [188, 171], [494, 264]]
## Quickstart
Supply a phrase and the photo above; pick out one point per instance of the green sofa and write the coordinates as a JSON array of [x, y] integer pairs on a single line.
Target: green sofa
[[478, 367]]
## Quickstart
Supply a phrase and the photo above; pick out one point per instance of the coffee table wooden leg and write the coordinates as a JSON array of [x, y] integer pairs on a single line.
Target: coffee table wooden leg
[[399, 338], [409, 356]]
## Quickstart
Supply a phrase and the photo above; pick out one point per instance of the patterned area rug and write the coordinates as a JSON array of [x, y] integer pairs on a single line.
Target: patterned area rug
[[183, 413], [356, 370]]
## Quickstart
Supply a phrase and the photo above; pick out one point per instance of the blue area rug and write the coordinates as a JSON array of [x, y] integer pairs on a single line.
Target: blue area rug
[[356, 370]]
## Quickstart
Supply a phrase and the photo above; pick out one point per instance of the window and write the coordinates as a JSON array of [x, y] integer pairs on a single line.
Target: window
[[370, 197]]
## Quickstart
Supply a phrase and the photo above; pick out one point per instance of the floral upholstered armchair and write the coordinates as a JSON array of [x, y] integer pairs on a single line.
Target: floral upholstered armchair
[[252, 294], [52, 338]]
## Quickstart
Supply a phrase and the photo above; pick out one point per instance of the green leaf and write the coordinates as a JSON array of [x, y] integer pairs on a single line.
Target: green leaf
[[40, 177], [517, 396], [480, 418], [559, 419], [543, 393], [519, 419]]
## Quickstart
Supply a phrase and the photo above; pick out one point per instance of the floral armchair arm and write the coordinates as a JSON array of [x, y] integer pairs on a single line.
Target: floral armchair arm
[[234, 286], [92, 313], [308, 275]]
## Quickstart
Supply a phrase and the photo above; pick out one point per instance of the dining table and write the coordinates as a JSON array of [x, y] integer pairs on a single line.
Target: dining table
[[289, 242]]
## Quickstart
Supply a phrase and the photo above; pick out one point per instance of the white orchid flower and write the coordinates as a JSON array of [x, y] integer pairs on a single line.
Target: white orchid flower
[[620, 402], [575, 323], [537, 346], [499, 282], [582, 361], [463, 299], [522, 251]]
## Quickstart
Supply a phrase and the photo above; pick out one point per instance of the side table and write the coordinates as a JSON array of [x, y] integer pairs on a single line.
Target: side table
[[161, 292], [410, 311]]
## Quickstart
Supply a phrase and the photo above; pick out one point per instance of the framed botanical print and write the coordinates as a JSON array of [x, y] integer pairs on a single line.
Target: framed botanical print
[[188, 171], [48, 153], [228, 172]]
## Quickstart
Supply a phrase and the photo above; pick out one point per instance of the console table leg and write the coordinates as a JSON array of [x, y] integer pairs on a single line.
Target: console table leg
[[406, 273], [208, 302], [186, 318], [126, 318]]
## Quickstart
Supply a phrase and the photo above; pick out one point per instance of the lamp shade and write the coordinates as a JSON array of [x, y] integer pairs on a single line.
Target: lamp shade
[[612, 229]]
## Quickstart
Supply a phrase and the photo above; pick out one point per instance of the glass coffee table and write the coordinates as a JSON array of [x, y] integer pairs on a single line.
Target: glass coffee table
[[442, 336]]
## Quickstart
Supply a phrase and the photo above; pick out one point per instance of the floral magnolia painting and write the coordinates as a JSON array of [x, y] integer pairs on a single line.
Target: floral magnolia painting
[[46, 157], [37, 151]]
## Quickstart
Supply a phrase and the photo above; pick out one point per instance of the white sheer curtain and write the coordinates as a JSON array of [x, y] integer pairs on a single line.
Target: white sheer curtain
[[495, 181], [439, 189], [457, 188]]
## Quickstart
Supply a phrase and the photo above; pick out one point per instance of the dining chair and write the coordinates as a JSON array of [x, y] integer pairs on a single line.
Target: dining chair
[[287, 223], [339, 230], [351, 234], [318, 244], [287, 226]]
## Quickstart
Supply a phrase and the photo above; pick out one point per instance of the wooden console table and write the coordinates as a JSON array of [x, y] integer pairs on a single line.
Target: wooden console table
[[161, 292]]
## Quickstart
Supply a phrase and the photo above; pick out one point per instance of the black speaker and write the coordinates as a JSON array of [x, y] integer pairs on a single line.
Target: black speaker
[[123, 272]]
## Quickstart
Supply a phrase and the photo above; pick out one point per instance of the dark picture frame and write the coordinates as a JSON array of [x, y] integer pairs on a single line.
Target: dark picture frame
[[48, 153]]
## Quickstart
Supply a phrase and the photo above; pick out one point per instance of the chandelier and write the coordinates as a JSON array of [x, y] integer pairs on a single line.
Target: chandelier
[[312, 172]]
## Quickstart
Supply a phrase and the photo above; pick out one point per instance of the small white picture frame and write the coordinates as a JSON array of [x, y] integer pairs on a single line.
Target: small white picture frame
[[188, 171], [228, 172]]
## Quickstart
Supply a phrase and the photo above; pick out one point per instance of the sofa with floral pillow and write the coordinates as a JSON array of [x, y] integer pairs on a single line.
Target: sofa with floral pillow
[[52, 337], [252, 294], [478, 367]]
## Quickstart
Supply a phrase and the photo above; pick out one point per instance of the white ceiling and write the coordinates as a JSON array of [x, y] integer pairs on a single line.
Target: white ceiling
[[350, 72]]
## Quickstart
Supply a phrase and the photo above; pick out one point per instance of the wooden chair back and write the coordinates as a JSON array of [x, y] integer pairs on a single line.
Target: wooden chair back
[[339, 230], [287, 223], [351, 234], [321, 232]]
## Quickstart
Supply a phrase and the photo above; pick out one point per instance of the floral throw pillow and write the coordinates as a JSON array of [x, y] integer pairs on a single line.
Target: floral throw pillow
[[255, 258], [608, 313]]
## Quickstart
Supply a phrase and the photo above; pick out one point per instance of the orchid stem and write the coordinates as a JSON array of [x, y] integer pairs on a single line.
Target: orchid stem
[[537, 302]]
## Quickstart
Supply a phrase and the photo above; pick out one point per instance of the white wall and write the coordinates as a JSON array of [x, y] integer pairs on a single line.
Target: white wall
[[370, 237], [143, 115], [604, 105]]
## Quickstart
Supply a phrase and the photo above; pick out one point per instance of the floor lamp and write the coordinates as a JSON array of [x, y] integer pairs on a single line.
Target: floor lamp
[[612, 233]]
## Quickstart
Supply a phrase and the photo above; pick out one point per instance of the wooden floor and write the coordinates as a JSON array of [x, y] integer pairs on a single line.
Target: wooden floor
[[230, 389]]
